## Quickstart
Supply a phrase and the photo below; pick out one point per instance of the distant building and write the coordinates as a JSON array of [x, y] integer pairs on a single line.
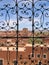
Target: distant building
[[11, 34], [27, 54]]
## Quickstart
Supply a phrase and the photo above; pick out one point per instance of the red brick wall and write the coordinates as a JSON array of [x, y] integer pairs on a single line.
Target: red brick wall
[[37, 50]]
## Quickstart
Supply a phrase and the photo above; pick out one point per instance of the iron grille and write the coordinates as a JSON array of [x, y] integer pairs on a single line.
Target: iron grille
[[18, 14]]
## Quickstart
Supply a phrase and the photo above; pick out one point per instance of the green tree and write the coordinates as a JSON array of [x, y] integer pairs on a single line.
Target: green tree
[[36, 40], [30, 40]]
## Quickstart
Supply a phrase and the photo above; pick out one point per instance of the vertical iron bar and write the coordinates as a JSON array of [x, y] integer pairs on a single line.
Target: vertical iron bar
[[17, 34], [33, 27]]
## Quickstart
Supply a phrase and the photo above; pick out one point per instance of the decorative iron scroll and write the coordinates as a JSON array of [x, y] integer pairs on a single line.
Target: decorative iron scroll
[[7, 13], [25, 10], [41, 10], [13, 11]]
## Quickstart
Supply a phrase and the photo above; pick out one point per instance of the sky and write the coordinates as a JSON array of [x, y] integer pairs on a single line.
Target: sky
[[42, 19], [24, 23]]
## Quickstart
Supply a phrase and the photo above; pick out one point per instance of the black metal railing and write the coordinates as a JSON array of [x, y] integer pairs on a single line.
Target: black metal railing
[[14, 11]]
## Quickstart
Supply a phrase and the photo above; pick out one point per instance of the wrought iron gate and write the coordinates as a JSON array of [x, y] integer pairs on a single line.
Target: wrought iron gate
[[34, 15]]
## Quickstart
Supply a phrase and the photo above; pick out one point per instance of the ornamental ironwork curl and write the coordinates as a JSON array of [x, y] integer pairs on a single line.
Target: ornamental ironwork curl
[[36, 11], [26, 8], [41, 14], [8, 15]]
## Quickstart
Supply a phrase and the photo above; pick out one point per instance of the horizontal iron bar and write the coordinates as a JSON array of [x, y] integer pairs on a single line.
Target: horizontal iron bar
[[24, 37]]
